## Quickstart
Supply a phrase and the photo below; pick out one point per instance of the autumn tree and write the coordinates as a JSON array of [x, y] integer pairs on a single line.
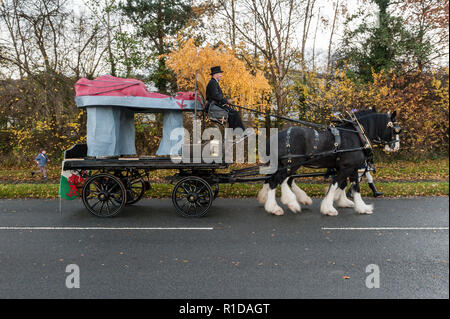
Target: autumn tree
[[268, 27], [420, 99], [384, 44], [125, 54], [157, 21], [237, 82], [429, 20], [41, 57]]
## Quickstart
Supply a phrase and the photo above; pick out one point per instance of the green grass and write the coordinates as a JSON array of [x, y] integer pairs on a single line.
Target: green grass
[[29, 190], [401, 170], [394, 178], [391, 189]]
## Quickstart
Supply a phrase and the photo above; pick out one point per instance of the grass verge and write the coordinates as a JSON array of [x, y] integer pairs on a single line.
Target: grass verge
[[391, 189], [401, 170]]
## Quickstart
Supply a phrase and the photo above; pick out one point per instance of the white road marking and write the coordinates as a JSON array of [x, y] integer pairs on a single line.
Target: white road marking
[[384, 228], [103, 228]]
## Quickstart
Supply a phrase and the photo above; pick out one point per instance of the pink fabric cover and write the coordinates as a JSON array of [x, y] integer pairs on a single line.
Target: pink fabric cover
[[114, 86]]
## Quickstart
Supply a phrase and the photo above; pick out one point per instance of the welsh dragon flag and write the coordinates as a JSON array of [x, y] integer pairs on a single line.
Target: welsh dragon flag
[[68, 183]]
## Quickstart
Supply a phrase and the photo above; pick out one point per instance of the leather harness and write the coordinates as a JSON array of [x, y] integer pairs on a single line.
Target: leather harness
[[337, 143], [366, 145]]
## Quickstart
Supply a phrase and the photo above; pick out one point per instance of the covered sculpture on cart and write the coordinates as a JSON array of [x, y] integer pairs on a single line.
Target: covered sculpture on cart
[[111, 103]]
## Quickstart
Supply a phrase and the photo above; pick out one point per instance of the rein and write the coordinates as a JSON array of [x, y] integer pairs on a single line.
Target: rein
[[283, 117], [358, 128], [322, 126]]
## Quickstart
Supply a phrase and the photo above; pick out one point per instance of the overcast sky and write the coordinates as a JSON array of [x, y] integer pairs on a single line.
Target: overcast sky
[[323, 34]]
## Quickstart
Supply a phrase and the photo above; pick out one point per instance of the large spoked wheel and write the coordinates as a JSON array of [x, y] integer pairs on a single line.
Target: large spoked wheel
[[134, 184], [192, 197], [135, 190], [104, 195]]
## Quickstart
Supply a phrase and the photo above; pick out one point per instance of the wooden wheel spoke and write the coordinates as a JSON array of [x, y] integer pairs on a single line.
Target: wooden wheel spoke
[[184, 205], [115, 201], [95, 203], [112, 187], [101, 208], [201, 189], [195, 208], [97, 187], [107, 207], [184, 188]]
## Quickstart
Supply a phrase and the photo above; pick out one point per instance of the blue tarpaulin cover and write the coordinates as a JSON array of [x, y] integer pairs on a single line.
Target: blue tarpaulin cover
[[111, 103], [172, 120], [110, 131]]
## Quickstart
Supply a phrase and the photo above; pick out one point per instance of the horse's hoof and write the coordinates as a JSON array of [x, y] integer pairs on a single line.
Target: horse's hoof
[[307, 201], [365, 210], [278, 212], [295, 207], [332, 212]]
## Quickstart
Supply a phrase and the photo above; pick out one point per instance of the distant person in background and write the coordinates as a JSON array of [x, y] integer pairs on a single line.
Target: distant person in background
[[41, 161]]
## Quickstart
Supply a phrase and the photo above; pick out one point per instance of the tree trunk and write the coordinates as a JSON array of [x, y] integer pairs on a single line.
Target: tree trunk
[[331, 38], [110, 53], [314, 42]]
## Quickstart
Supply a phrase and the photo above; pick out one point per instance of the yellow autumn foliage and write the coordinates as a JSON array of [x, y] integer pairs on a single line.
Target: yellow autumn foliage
[[237, 82], [420, 99]]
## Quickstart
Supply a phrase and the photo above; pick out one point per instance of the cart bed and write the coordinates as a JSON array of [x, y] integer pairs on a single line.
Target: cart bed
[[138, 163]]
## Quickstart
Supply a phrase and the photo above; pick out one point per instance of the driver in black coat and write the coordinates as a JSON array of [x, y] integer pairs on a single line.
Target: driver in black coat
[[214, 95]]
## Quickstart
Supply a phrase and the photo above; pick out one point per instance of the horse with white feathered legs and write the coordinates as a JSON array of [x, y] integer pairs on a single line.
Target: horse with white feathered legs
[[342, 149]]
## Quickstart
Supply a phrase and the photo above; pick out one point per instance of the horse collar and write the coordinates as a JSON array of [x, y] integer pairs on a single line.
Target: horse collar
[[362, 135]]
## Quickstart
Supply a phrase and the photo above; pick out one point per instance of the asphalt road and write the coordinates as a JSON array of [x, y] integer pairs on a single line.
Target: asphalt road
[[235, 251]]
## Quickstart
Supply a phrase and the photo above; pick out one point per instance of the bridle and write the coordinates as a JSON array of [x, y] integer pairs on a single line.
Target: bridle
[[395, 130], [394, 127]]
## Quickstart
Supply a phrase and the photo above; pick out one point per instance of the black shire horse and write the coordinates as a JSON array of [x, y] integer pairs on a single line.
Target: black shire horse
[[302, 146]]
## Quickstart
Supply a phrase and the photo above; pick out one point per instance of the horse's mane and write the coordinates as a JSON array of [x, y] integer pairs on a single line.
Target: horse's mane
[[359, 115], [362, 113]]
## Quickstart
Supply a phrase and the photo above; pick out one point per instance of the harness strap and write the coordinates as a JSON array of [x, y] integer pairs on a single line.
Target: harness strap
[[288, 149], [337, 137], [316, 140]]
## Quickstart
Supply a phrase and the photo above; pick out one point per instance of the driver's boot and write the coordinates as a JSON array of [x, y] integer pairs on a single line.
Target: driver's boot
[[374, 190]]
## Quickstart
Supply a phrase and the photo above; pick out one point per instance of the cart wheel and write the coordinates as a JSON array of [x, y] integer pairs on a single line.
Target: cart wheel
[[192, 197], [135, 190], [215, 190], [104, 195]]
